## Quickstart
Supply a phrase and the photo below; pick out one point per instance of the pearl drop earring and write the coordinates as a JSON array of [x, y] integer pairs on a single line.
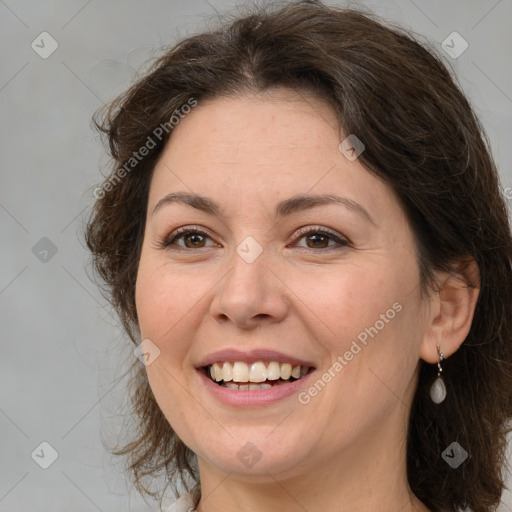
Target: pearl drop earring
[[438, 389]]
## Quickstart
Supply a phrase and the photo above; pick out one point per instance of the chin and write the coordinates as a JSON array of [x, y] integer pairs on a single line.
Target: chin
[[256, 455]]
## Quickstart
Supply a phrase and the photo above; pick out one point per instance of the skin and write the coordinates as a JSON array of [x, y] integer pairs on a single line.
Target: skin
[[305, 296]]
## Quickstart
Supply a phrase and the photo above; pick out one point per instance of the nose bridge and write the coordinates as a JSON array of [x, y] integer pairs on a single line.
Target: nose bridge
[[249, 290]]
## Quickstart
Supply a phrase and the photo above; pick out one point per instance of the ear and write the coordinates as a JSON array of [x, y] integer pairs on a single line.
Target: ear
[[452, 307]]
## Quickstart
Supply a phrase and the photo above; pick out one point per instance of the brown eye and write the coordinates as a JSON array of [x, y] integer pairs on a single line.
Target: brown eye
[[195, 239], [188, 238], [319, 241], [317, 238]]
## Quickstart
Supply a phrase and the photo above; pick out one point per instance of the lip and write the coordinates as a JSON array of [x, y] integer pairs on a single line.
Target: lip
[[252, 356], [254, 398]]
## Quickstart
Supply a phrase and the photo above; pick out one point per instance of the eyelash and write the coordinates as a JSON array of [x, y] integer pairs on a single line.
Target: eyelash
[[302, 232]]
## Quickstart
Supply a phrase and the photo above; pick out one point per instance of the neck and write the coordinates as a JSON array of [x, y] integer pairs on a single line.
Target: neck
[[368, 476]]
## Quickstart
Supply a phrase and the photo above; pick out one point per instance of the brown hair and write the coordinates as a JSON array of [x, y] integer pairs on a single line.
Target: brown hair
[[421, 136]]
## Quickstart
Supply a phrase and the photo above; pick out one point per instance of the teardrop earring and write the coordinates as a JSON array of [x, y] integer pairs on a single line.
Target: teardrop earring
[[438, 389]]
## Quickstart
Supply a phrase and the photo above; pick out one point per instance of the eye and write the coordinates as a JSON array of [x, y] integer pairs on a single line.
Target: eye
[[320, 238], [192, 238]]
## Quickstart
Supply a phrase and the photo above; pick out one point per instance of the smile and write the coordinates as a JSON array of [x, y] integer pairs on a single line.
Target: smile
[[258, 375]]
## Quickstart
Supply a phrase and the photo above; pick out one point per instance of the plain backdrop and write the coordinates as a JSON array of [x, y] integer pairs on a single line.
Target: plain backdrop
[[62, 350]]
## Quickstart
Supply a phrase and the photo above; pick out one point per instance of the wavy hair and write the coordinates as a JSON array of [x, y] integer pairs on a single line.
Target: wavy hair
[[422, 138]]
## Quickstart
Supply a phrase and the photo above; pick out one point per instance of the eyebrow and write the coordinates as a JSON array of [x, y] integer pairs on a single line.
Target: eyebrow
[[286, 207]]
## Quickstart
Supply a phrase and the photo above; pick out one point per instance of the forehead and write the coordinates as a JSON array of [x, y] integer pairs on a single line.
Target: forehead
[[274, 145]]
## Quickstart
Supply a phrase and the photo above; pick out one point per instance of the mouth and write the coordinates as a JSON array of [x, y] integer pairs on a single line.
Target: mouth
[[242, 376]]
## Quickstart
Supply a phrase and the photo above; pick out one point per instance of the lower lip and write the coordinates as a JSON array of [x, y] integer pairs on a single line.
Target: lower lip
[[256, 397]]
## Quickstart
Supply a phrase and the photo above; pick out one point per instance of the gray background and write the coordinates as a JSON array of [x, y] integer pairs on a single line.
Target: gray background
[[62, 350]]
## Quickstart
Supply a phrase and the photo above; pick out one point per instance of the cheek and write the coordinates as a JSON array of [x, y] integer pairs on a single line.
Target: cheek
[[160, 296], [148, 300], [380, 359], [342, 301], [170, 307], [160, 308], [366, 317]]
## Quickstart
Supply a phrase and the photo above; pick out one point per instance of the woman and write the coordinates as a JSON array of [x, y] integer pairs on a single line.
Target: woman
[[304, 235]]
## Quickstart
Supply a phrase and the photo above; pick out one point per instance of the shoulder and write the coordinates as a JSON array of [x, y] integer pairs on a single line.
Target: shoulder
[[184, 504]]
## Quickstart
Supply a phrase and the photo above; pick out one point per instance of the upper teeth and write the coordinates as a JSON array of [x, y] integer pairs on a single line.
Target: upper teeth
[[255, 372]]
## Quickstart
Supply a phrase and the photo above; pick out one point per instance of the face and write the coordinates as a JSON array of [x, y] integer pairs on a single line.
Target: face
[[268, 272]]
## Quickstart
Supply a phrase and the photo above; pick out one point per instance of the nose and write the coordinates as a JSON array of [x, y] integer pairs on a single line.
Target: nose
[[250, 295]]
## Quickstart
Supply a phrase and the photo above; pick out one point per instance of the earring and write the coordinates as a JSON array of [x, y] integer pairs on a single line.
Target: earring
[[438, 389]]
